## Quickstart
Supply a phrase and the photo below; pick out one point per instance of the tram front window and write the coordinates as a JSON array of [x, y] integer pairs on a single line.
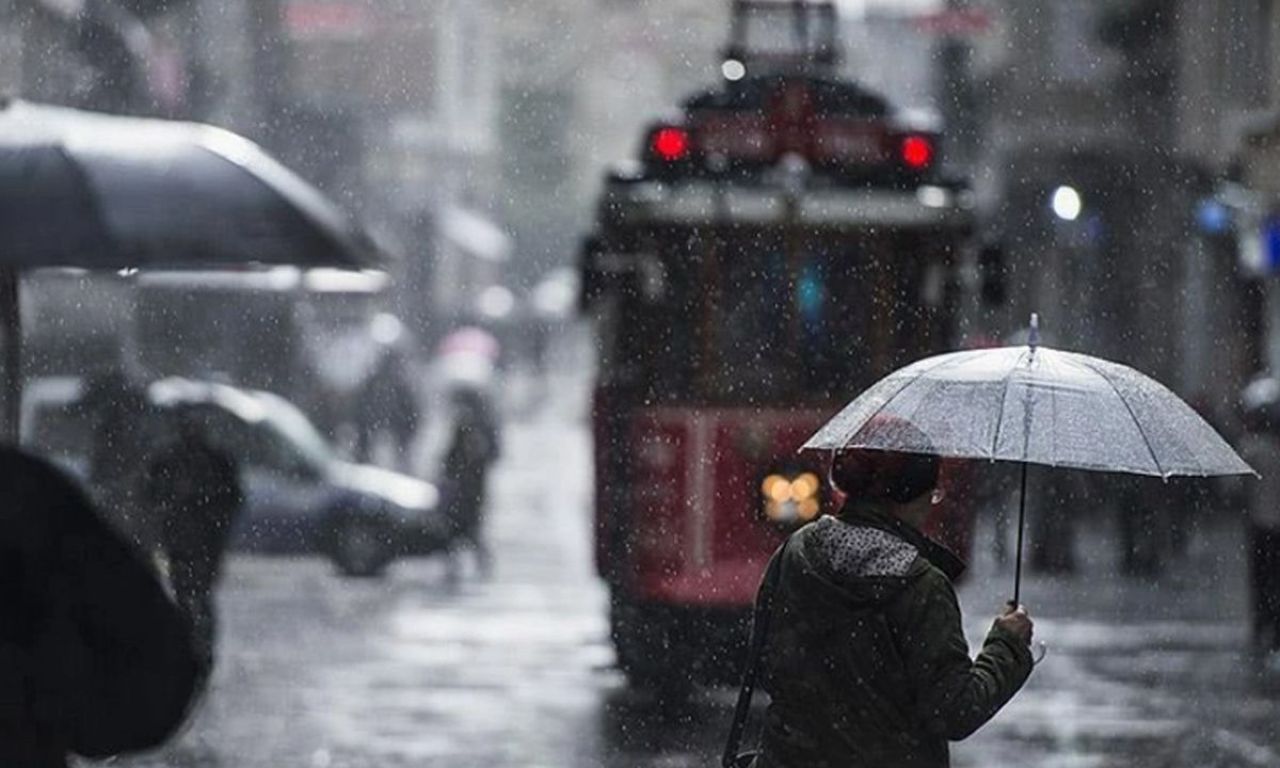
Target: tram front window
[[747, 320]]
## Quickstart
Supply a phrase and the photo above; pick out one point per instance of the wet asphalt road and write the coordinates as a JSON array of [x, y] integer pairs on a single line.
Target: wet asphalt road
[[321, 672]]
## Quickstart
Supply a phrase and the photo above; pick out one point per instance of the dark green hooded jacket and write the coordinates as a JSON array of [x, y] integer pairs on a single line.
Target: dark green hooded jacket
[[866, 663]]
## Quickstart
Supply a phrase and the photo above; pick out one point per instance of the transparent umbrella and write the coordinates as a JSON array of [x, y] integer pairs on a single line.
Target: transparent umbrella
[[1033, 405]]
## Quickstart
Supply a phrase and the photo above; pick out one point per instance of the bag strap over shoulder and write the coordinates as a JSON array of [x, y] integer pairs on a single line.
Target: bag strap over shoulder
[[759, 636]]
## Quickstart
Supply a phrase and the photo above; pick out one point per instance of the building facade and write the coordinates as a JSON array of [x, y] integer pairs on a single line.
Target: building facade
[[1133, 112]]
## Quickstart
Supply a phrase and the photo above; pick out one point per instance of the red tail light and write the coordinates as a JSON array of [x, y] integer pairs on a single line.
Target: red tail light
[[670, 144], [917, 152]]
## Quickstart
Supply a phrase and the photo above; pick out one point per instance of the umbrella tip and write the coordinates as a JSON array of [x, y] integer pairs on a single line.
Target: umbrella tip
[[1033, 333]]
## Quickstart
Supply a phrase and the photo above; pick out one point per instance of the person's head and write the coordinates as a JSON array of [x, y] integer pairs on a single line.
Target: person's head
[[906, 482]]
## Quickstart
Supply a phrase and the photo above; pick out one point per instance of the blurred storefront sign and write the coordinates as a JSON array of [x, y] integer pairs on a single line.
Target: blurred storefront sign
[[955, 22], [327, 21]]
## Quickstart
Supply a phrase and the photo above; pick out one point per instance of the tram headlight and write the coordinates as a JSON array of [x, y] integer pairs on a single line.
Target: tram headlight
[[790, 499]]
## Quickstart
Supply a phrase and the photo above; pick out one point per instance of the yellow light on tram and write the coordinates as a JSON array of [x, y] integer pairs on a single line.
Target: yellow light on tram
[[789, 500], [805, 487], [776, 488]]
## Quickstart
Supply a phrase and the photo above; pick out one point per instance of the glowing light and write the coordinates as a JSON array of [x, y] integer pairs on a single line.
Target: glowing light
[[1066, 203], [671, 144], [496, 302], [933, 197], [386, 328], [777, 488], [789, 500], [733, 70], [917, 152], [804, 487]]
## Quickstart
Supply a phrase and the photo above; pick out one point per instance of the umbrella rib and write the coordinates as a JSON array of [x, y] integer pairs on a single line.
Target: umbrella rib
[[1053, 410], [1085, 362], [1008, 384]]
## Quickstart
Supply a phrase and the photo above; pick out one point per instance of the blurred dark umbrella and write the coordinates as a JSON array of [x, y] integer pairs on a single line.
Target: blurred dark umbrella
[[89, 190], [1032, 405], [81, 189]]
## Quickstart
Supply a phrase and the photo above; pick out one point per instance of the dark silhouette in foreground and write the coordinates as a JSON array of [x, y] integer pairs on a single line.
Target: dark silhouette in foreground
[[95, 659]]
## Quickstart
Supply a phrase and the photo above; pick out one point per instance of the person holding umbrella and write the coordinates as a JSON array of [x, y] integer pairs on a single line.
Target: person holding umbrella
[[1023, 404], [867, 661]]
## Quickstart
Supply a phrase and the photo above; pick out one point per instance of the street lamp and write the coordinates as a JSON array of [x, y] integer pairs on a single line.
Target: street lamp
[[733, 70], [1066, 203]]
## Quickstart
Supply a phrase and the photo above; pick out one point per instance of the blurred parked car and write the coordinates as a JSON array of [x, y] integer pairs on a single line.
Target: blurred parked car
[[300, 496]]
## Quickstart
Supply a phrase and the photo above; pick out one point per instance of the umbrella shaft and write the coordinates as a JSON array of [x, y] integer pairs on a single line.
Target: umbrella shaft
[[1022, 513]]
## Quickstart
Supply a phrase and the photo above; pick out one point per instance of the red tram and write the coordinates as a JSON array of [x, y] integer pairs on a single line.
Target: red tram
[[784, 244]]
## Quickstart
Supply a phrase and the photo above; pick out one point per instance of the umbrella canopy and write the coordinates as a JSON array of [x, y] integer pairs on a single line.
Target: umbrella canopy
[[88, 190], [1033, 405]]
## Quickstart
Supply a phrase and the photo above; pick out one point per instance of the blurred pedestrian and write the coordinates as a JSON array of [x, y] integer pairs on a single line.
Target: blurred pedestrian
[[118, 454], [473, 448], [866, 661], [95, 659], [194, 488], [1260, 446], [387, 413]]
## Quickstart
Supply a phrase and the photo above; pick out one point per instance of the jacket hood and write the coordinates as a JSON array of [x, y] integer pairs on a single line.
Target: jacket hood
[[875, 516], [867, 556]]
